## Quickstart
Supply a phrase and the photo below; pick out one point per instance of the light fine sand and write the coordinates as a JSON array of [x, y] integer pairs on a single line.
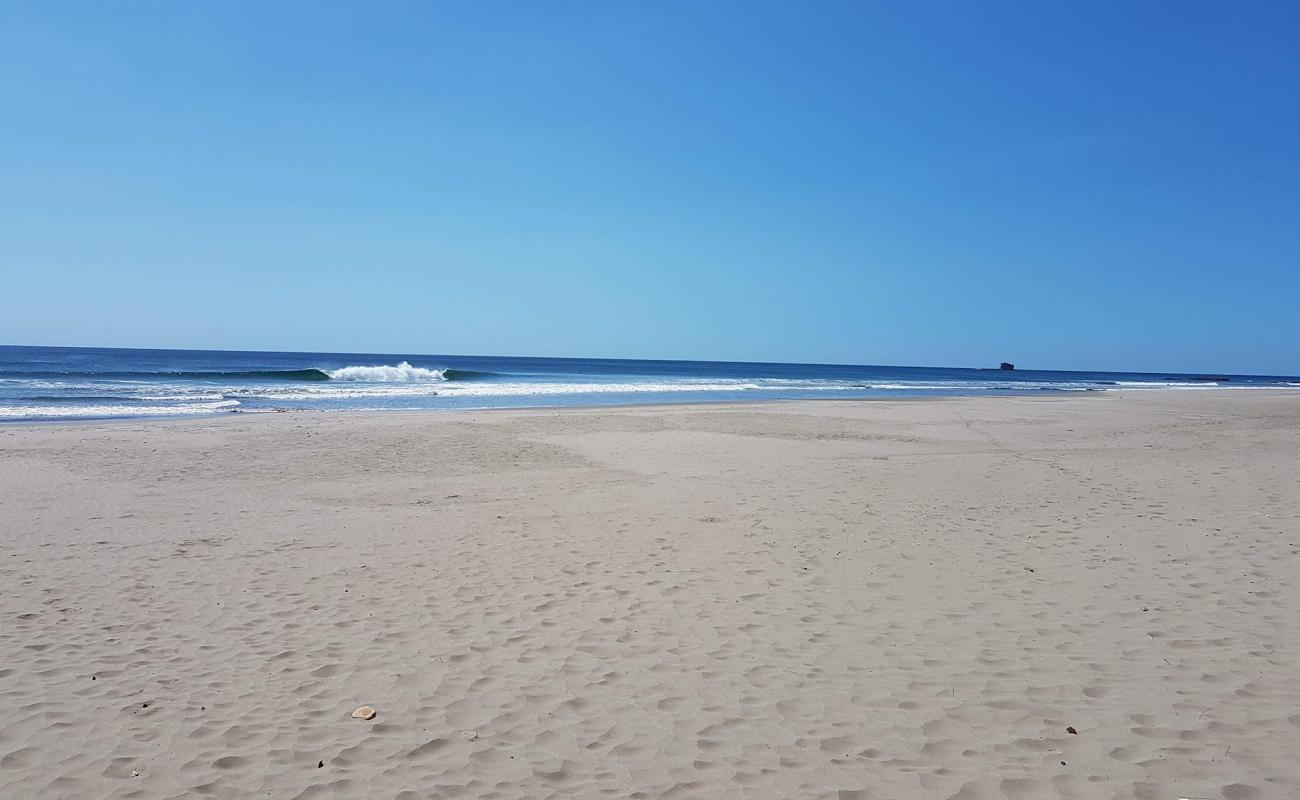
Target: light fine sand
[[800, 600]]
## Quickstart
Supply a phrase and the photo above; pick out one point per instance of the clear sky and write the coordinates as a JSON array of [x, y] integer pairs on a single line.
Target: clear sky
[[1064, 185]]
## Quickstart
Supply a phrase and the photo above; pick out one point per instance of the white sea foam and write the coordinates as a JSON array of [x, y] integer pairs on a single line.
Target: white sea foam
[[346, 390], [524, 389], [1167, 384], [400, 373], [457, 389], [55, 412], [470, 389], [190, 396], [910, 386]]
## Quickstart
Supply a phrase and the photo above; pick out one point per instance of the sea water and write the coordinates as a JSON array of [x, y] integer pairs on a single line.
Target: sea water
[[61, 383]]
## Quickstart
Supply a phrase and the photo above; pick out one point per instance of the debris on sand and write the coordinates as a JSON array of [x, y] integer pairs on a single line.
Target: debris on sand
[[365, 712]]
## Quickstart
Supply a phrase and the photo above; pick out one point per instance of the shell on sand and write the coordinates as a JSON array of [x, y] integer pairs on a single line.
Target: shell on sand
[[365, 712]]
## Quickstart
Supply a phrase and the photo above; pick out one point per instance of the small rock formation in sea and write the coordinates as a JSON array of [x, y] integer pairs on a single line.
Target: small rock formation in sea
[[1007, 365]]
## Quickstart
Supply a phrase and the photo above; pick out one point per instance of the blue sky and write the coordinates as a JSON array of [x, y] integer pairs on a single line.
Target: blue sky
[[1065, 185]]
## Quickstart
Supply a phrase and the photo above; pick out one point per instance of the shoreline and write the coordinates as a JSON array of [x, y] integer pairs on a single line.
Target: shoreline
[[720, 404]]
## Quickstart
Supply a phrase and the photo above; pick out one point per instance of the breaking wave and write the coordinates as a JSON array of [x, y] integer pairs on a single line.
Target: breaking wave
[[401, 373]]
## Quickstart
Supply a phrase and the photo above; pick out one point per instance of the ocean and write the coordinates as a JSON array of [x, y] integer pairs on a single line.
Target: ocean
[[69, 383]]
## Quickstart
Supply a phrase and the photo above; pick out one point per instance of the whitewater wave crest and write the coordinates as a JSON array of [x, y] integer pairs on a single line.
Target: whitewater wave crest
[[401, 373]]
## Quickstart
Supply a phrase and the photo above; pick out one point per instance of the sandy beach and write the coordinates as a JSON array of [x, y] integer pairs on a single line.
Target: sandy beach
[[1078, 597]]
